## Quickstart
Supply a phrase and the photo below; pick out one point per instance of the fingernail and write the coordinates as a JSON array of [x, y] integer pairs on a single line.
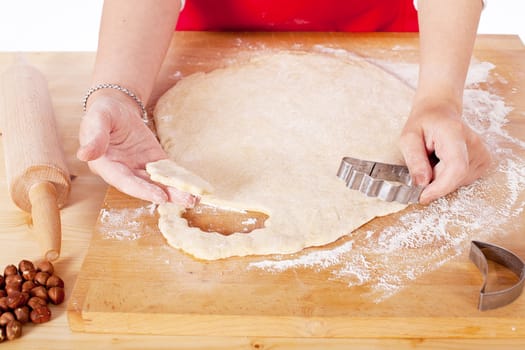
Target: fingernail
[[426, 198], [423, 200], [420, 180]]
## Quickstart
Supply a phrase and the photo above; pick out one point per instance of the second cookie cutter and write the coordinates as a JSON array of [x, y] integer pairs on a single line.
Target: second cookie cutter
[[389, 182], [480, 252]]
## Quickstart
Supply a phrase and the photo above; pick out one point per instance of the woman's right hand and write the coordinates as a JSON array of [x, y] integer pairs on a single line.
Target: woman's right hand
[[117, 144]]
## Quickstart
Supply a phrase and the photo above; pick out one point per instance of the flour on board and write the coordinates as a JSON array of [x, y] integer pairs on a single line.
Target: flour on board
[[123, 224]]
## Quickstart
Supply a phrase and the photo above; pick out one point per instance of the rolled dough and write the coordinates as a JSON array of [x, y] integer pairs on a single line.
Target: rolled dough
[[269, 135]]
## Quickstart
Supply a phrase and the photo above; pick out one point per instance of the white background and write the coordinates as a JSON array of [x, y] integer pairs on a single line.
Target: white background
[[72, 25]]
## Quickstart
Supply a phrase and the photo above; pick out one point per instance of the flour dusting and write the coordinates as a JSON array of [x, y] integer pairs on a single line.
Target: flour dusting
[[318, 260], [425, 238], [124, 224]]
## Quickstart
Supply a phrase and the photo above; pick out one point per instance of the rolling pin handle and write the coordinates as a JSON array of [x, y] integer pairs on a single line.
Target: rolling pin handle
[[46, 218]]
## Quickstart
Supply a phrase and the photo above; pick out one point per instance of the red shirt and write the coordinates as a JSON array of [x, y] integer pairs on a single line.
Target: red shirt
[[299, 15]]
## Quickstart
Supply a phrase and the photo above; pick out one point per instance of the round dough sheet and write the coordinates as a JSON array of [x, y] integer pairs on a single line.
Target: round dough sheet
[[269, 135]]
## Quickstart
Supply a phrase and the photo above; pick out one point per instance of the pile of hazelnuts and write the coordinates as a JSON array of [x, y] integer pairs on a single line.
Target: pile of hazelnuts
[[25, 292]]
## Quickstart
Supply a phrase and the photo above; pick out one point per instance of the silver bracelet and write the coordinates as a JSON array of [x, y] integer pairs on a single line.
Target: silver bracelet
[[145, 117]]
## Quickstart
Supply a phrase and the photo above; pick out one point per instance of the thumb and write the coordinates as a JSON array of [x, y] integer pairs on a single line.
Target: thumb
[[94, 134], [450, 172]]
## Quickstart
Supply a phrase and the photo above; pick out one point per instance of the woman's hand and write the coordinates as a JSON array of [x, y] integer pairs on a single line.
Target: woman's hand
[[116, 144], [447, 33], [439, 129]]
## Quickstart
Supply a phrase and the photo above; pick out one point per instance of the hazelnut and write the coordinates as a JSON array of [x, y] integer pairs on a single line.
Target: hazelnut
[[3, 293], [27, 286], [22, 314], [54, 281], [6, 318], [3, 336], [27, 270], [13, 330], [40, 315], [13, 279], [41, 278], [45, 266], [56, 295], [13, 287], [17, 299], [39, 291], [10, 270], [3, 304], [25, 265], [29, 275], [36, 302]]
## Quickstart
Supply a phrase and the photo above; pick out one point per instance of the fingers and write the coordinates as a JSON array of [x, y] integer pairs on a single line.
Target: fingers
[[451, 171], [184, 198], [123, 179], [137, 184], [463, 157], [174, 195]]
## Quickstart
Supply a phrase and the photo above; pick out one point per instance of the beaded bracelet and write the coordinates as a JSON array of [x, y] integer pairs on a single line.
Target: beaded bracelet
[[145, 117]]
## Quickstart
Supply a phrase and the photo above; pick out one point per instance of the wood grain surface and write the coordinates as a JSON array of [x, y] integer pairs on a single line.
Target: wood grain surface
[[39, 182], [138, 284]]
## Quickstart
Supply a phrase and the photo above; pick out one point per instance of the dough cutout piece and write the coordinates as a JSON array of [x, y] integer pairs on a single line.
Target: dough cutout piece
[[169, 173], [270, 133]]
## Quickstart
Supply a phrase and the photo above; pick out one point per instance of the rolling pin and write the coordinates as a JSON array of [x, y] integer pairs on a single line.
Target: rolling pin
[[37, 175]]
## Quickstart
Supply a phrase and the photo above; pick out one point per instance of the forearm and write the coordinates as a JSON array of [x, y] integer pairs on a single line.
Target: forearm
[[447, 33], [133, 39]]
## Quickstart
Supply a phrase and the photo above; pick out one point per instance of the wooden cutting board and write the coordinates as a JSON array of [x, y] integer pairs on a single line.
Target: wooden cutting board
[[131, 281]]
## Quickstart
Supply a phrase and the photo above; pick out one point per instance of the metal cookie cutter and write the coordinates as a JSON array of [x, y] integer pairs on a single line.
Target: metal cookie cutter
[[388, 182], [480, 252]]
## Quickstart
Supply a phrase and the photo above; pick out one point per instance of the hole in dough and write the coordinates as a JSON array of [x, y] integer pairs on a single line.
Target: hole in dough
[[220, 216], [211, 218]]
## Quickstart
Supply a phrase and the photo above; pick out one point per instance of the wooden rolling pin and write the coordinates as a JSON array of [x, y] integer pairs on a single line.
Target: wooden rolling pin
[[37, 175]]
